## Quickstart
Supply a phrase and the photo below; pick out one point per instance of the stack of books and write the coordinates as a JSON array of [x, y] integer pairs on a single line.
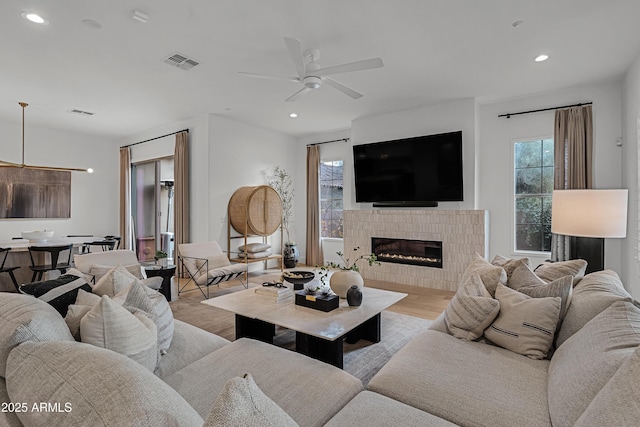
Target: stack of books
[[274, 294]]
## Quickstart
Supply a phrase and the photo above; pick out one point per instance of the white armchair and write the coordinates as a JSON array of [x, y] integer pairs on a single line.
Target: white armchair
[[94, 262], [207, 265]]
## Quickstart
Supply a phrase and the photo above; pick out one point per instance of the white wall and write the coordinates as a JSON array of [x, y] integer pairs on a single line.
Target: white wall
[[495, 164], [94, 197], [630, 149]]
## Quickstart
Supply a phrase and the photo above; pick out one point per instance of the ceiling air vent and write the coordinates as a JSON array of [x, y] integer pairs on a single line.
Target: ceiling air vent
[[181, 61], [80, 112]]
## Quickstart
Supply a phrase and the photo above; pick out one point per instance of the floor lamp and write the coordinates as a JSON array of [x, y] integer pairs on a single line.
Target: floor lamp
[[588, 217]]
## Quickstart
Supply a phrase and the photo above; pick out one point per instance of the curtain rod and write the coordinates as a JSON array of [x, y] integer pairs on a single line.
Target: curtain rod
[[157, 137], [508, 115], [327, 142]]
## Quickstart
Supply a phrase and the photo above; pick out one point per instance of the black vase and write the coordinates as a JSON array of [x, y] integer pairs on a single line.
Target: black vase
[[354, 296], [291, 255]]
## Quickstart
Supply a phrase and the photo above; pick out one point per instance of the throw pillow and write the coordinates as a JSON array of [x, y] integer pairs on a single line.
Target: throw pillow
[[524, 325], [87, 298], [509, 264], [254, 247], [110, 326], [74, 315], [104, 388], [471, 310], [582, 366], [242, 403], [255, 255], [60, 292], [154, 303], [114, 281], [490, 274], [25, 318], [97, 271], [594, 293], [550, 271], [524, 280]]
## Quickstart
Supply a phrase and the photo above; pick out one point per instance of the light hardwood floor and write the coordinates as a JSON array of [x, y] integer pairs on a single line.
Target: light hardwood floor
[[420, 302]]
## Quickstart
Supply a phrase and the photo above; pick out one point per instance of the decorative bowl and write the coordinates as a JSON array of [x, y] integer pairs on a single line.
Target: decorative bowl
[[298, 277], [37, 236]]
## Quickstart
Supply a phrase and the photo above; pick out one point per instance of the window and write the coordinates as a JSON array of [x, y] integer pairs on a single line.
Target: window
[[331, 187], [533, 185]]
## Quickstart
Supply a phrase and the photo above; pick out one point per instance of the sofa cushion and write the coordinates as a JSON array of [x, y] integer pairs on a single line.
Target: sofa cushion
[[84, 262], [584, 363], [618, 402], [467, 383], [509, 264], [114, 281], [471, 310], [281, 374], [110, 326], [103, 388], [154, 303], [188, 345], [550, 271], [373, 409], [97, 271], [8, 418], [525, 325], [594, 293], [242, 403], [25, 318], [59, 292], [524, 280]]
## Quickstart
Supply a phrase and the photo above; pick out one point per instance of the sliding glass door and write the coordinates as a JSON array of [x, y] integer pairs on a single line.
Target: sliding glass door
[[152, 208]]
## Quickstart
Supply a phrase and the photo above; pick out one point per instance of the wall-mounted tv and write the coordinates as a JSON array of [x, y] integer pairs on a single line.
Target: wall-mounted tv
[[418, 171]]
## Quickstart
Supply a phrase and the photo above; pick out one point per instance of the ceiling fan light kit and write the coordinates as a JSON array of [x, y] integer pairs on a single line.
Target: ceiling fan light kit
[[23, 165], [312, 76]]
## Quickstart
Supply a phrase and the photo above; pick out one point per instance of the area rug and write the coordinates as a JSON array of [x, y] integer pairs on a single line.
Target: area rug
[[362, 359]]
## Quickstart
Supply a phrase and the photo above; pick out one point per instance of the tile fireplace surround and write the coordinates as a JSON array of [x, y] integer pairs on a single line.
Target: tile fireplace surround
[[462, 233]]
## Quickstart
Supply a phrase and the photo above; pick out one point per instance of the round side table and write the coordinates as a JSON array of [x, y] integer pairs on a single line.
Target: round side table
[[166, 273]]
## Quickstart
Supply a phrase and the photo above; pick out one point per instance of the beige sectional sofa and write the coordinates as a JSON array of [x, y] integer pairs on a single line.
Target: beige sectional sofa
[[589, 377]]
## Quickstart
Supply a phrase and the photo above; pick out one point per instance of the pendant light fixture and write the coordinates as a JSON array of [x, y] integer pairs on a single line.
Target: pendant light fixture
[[26, 166]]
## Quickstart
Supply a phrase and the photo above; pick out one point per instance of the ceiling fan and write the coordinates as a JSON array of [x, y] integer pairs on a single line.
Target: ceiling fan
[[312, 76]]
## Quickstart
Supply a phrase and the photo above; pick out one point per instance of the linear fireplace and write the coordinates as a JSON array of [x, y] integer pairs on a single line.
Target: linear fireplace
[[427, 253]]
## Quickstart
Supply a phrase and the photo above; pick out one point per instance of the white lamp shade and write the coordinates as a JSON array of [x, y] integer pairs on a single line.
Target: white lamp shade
[[590, 213]]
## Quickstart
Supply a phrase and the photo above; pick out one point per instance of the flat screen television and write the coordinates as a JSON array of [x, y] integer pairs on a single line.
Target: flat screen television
[[418, 171]]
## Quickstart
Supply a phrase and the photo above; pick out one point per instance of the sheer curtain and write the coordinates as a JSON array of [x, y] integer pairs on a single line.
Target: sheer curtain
[[314, 246], [573, 162], [181, 190], [125, 198]]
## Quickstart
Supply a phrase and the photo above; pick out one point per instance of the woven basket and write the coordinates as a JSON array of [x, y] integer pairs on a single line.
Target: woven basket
[[255, 210]]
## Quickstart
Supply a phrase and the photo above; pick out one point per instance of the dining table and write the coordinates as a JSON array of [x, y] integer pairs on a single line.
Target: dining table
[[19, 256]]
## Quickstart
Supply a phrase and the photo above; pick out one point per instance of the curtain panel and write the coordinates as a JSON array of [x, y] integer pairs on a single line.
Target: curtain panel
[[125, 198], [573, 162], [181, 191], [314, 246]]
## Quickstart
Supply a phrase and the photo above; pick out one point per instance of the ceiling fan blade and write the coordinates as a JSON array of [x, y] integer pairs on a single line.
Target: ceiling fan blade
[[298, 94], [366, 64], [342, 88], [267, 76], [295, 50]]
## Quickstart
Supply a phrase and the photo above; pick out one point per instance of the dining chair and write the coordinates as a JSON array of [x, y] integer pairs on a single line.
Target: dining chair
[[116, 238], [103, 245], [4, 252], [57, 262]]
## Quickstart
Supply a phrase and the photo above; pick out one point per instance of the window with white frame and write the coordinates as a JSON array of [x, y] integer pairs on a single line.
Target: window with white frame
[[533, 186], [331, 189]]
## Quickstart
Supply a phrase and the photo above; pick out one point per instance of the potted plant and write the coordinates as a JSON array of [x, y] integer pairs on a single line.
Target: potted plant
[[162, 257], [348, 273], [283, 184]]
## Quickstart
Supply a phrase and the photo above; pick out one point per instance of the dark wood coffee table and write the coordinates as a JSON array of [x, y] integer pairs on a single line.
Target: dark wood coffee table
[[318, 334]]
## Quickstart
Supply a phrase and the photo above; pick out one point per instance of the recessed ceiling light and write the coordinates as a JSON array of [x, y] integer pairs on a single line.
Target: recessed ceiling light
[[541, 58], [34, 17], [293, 115]]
